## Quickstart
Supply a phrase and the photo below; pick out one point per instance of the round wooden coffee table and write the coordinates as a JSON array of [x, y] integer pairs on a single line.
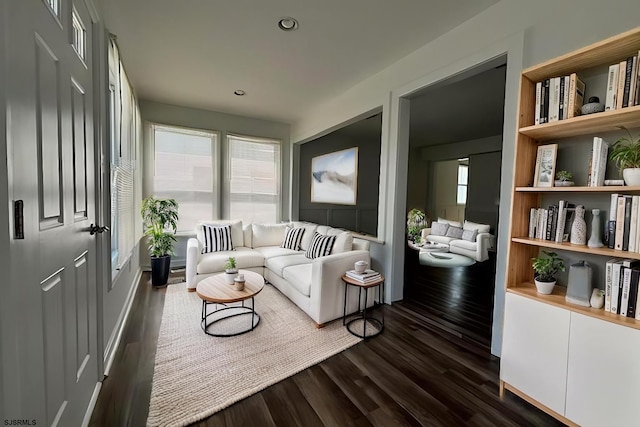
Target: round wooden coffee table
[[215, 292]]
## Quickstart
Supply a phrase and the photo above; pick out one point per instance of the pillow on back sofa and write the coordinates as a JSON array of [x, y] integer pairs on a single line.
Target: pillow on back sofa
[[292, 238], [482, 228], [439, 228], [452, 223], [268, 234], [237, 236], [217, 238], [344, 241], [470, 235], [455, 232], [320, 246]]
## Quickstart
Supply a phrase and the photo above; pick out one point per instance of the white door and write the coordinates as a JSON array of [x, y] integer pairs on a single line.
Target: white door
[[50, 148]]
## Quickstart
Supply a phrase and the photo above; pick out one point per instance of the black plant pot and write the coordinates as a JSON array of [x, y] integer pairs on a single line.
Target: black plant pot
[[160, 267]]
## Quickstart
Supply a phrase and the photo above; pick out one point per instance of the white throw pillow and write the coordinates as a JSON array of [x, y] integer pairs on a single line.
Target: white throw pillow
[[454, 232], [482, 228], [439, 228], [267, 234], [452, 223], [292, 238], [343, 243], [237, 236], [217, 238], [470, 235]]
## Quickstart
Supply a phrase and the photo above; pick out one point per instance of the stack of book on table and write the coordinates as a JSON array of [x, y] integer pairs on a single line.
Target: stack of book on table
[[368, 276]]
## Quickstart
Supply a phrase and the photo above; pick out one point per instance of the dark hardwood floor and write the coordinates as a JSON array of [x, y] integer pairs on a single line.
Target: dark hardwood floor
[[413, 374], [459, 300]]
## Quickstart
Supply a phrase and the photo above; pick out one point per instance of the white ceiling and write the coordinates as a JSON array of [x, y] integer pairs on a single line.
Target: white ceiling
[[196, 53]]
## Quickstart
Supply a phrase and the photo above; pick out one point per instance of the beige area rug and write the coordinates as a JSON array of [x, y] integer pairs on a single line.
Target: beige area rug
[[196, 375]]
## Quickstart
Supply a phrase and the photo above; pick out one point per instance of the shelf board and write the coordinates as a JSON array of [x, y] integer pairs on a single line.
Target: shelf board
[[576, 248], [580, 189], [583, 125], [557, 298]]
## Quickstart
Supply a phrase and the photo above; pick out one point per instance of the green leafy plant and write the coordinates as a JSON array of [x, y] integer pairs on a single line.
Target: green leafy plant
[[626, 152], [416, 221], [564, 176], [547, 267], [160, 220], [230, 264]]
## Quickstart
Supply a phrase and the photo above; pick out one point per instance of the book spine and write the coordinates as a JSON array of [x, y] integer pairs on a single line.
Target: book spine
[[637, 100], [602, 169], [627, 81], [607, 284], [612, 87], [613, 207], [627, 222], [532, 223], [611, 234], [537, 110], [615, 286], [633, 230], [554, 99], [566, 96], [634, 82], [544, 100], [543, 227], [620, 90], [624, 296], [562, 214], [561, 99], [633, 292], [595, 162], [619, 224], [551, 218]]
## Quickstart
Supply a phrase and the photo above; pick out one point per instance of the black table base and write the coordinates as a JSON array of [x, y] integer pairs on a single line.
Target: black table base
[[229, 312]]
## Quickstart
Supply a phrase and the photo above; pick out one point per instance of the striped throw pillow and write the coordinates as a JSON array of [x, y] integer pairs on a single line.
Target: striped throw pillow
[[292, 238], [320, 246], [217, 238]]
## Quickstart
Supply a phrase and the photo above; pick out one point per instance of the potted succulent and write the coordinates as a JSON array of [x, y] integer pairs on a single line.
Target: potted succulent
[[564, 179], [160, 218], [416, 221], [626, 153], [546, 269], [231, 270]]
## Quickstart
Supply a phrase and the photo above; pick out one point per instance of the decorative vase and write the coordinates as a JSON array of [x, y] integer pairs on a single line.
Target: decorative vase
[[593, 106], [230, 276], [558, 183], [597, 298], [239, 282], [595, 241], [631, 176], [544, 288], [579, 227]]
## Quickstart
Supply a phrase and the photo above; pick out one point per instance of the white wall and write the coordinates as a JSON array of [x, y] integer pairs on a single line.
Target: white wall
[[530, 32], [446, 191]]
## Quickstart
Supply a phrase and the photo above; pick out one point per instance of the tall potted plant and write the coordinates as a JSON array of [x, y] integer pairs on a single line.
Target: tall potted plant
[[416, 221], [626, 153], [160, 218]]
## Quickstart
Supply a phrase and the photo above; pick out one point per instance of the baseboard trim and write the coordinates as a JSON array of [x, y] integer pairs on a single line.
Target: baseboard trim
[[116, 336], [92, 404]]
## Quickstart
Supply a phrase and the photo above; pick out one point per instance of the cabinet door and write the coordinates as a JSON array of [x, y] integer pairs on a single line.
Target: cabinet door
[[604, 373], [535, 350]]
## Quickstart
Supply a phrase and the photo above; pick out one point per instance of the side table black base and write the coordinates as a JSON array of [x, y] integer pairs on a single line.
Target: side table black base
[[372, 321]]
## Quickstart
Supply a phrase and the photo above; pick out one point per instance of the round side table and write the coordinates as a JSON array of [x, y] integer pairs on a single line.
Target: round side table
[[362, 315]]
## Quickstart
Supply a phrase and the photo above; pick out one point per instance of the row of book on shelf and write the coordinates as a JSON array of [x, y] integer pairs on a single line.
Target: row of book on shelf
[[558, 98], [622, 277], [623, 88], [368, 276], [622, 231]]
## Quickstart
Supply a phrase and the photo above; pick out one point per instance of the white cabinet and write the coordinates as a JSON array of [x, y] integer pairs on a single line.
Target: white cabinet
[[603, 386], [535, 350]]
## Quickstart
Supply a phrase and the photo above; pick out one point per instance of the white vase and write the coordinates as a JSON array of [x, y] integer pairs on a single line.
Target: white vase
[[579, 228], [631, 176], [230, 275], [544, 288]]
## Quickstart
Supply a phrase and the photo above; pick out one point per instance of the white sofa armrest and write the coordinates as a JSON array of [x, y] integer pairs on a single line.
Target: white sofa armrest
[[424, 233], [327, 288], [193, 256], [484, 242]]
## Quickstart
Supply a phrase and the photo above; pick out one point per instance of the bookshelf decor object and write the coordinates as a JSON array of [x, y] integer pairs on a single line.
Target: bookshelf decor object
[[589, 354]]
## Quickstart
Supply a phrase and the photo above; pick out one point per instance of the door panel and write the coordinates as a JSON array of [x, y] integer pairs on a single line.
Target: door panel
[[53, 276]]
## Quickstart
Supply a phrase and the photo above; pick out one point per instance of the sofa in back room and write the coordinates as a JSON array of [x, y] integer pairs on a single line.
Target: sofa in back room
[[470, 239], [313, 284]]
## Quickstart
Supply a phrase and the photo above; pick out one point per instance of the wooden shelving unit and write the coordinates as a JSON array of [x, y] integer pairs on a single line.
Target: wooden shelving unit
[[544, 331]]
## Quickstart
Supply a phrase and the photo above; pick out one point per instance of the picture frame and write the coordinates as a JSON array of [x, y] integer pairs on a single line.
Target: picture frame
[[334, 177], [545, 165]]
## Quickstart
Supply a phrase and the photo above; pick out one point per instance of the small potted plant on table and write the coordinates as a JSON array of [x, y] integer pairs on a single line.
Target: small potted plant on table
[[231, 270], [160, 220], [564, 179], [546, 269]]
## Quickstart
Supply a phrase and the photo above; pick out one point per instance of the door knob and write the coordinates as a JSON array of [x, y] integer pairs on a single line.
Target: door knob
[[93, 229]]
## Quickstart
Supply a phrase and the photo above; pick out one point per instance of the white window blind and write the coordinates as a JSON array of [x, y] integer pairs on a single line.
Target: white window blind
[[79, 35], [183, 164], [254, 179], [463, 177]]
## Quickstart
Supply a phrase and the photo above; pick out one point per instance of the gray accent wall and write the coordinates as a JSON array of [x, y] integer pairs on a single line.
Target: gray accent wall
[[363, 216]]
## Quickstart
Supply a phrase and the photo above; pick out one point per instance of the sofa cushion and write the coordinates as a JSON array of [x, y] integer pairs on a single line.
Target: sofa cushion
[[275, 251], [292, 238], [299, 277], [267, 234], [447, 221], [278, 263], [439, 228], [214, 262], [323, 229], [470, 246], [217, 238], [482, 228], [343, 243], [439, 239], [320, 246], [237, 236], [307, 237], [455, 232], [469, 235]]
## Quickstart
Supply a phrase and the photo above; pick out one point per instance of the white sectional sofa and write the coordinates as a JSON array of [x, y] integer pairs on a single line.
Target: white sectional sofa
[[314, 285], [473, 245]]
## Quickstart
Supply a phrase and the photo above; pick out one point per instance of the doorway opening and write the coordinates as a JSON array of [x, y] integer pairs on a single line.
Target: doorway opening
[[455, 155]]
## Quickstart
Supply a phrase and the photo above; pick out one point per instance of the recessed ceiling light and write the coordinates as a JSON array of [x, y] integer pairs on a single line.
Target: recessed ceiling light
[[288, 24], [239, 92]]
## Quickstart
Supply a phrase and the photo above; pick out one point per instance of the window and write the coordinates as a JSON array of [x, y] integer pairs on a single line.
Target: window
[[254, 179], [54, 5], [463, 176], [183, 166], [79, 40]]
